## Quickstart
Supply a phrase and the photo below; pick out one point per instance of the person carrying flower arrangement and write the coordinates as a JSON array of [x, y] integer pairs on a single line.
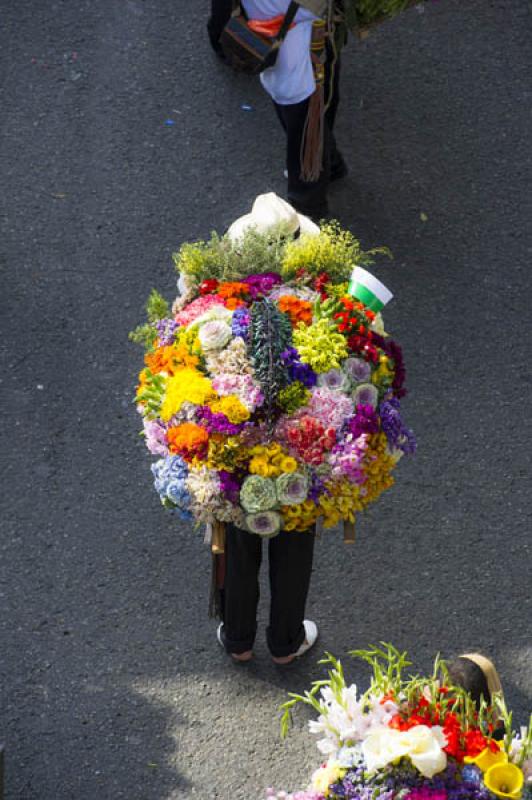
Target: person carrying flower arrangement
[[272, 396]]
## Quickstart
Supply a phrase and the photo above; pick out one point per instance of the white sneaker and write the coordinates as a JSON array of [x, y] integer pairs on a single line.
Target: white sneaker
[[285, 173], [311, 635], [219, 635], [242, 657]]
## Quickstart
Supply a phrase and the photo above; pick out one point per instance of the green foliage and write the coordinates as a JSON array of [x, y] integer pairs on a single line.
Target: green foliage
[[270, 334], [334, 251], [157, 307], [365, 12], [144, 335], [225, 260], [151, 394]]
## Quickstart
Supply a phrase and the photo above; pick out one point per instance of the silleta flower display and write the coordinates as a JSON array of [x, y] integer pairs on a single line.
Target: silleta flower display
[[271, 392], [412, 738]]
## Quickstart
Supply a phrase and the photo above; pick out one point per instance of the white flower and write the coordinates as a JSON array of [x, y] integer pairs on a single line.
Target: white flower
[[383, 746], [378, 325], [214, 313], [423, 745], [214, 335], [426, 749]]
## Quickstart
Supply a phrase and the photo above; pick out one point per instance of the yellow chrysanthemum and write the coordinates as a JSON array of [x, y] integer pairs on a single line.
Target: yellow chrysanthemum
[[187, 385]]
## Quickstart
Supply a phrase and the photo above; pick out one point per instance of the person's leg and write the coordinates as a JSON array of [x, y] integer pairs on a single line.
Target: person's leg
[[291, 554], [240, 595], [337, 165], [309, 197], [220, 13]]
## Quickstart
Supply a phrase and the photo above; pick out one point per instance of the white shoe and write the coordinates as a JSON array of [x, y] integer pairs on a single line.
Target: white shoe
[[219, 635], [311, 636], [285, 173], [240, 657]]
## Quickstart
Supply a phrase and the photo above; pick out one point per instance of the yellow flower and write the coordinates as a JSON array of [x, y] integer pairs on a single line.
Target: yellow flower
[[326, 776], [258, 466], [504, 780], [288, 464], [234, 410], [487, 758], [186, 385]]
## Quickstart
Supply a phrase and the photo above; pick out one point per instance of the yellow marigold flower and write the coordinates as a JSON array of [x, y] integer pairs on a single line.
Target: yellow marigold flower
[[187, 385]]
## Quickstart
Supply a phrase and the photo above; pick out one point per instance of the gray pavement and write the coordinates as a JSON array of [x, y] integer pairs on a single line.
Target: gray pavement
[[112, 684]]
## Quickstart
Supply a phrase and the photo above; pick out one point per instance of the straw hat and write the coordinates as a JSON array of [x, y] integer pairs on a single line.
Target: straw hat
[[268, 211]]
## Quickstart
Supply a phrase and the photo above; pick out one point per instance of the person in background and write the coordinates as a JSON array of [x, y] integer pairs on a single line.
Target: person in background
[[477, 675], [220, 13], [301, 87]]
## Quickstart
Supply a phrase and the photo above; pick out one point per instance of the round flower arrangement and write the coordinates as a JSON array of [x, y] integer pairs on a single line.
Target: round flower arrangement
[[270, 391], [410, 738]]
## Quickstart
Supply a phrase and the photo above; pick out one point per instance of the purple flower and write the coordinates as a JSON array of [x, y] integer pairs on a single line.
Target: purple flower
[[399, 436], [230, 486], [166, 330], [365, 420], [297, 370], [262, 283], [317, 486], [240, 322], [215, 422]]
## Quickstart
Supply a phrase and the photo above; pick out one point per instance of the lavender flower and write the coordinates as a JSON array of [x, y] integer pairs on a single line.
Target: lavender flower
[[166, 330], [399, 436], [240, 322]]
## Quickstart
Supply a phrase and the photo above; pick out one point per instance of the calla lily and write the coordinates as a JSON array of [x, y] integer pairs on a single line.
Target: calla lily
[[504, 780], [487, 758]]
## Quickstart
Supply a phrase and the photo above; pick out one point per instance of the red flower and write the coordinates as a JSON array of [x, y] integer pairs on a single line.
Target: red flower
[[208, 286]]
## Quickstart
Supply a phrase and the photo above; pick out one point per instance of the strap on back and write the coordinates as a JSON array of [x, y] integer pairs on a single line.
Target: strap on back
[[287, 21]]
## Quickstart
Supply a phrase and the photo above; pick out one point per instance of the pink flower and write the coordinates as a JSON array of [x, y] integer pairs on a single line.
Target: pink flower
[[198, 307]]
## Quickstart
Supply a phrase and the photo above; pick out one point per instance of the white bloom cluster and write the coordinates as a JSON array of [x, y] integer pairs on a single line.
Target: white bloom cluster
[[347, 719]]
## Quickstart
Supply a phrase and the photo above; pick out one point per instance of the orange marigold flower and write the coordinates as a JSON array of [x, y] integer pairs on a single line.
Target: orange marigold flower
[[232, 289], [233, 303], [298, 310], [188, 440], [170, 359]]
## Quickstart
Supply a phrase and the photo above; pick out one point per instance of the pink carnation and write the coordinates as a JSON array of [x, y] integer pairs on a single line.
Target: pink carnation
[[198, 307]]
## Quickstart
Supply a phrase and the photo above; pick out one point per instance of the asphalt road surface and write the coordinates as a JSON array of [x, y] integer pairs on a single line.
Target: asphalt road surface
[[112, 684]]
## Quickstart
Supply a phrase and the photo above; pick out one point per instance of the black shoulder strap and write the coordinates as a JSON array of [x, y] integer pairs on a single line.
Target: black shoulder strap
[[287, 21]]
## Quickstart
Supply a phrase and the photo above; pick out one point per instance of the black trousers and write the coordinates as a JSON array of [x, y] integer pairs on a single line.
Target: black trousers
[[220, 13], [310, 197], [290, 557]]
